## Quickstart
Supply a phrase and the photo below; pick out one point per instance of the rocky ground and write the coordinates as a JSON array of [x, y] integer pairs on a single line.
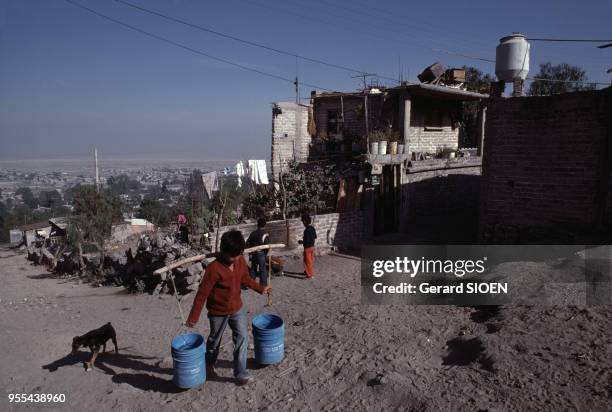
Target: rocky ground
[[340, 355]]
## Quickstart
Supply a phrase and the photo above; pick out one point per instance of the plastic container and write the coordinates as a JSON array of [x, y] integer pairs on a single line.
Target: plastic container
[[382, 147], [188, 356], [269, 339], [374, 148]]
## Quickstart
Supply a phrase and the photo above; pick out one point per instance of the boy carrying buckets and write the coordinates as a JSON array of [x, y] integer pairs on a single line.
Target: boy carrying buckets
[[220, 289]]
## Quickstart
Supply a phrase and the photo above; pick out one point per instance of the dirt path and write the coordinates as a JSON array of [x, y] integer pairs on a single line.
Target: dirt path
[[340, 355]]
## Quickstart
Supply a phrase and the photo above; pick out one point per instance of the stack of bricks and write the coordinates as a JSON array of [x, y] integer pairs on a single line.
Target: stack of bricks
[[546, 164], [335, 231]]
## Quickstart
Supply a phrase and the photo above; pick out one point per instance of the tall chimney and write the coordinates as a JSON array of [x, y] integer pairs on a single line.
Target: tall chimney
[[96, 163]]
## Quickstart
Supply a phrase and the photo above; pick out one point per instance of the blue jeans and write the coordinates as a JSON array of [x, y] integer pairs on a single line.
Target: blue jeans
[[259, 268], [240, 335]]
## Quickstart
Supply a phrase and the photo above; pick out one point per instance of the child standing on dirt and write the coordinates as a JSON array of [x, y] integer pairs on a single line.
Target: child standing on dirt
[[258, 259], [308, 241], [220, 289]]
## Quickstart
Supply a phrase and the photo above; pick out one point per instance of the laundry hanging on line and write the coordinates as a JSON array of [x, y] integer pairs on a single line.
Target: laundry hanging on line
[[255, 170], [258, 172], [211, 183], [240, 172]]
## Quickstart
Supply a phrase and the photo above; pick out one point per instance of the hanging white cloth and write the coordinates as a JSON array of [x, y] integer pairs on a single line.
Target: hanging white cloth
[[258, 172], [240, 172], [210, 183]]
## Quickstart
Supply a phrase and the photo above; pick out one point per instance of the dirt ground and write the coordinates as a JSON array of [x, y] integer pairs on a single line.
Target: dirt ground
[[340, 355]]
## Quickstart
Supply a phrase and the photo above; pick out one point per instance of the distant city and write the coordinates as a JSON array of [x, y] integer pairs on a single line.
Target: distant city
[[36, 189]]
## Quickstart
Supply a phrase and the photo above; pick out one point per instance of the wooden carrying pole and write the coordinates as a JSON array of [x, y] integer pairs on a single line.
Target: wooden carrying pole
[[269, 278], [181, 262], [163, 272]]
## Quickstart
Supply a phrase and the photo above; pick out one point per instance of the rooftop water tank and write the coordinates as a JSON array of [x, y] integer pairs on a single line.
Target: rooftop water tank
[[512, 58]]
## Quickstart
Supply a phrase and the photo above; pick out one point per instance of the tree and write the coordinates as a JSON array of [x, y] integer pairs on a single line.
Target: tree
[[95, 212], [4, 229], [50, 198], [154, 211], [475, 81], [262, 202], [27, 196], [123, 184], [560, 78], [308, 188]]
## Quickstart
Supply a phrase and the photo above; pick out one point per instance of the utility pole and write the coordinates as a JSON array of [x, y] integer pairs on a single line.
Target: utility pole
[[96, 165], [298, 117]]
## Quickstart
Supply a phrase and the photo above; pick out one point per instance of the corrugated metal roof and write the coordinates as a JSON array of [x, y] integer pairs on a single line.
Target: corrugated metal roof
[[34, 226]]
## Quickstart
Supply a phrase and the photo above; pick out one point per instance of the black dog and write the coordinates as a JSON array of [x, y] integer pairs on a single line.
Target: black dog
[[93, 340]]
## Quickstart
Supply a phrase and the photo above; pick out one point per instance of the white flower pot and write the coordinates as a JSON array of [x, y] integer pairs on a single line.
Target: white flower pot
[[374, 148], [382, 147]]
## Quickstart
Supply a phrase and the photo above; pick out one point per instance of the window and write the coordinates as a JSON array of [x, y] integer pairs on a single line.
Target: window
[[334, 122], [434, 119]]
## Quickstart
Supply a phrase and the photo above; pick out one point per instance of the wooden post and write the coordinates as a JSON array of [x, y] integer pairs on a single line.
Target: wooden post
[[481, 130], [269, 277], [407, 112], [365, 115]]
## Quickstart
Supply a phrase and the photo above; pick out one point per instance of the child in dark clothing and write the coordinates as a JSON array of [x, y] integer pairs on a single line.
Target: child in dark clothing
[[310, 235], [258, 259], [220, 289]]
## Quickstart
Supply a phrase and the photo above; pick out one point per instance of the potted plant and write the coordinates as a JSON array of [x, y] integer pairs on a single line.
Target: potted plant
[[393, 142], [376, 137]]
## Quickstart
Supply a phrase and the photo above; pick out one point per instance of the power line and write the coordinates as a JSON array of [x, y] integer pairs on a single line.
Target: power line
[[361, 31], [572, 40], [429, 39], [182, 46], [565, 81], [250, 43], [393, 19], [403, 17]]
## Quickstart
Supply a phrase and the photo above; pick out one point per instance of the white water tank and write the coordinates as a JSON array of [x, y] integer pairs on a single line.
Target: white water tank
[[512, 58]]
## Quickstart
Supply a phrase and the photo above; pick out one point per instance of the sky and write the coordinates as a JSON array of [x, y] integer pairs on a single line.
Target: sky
[[71, 80]]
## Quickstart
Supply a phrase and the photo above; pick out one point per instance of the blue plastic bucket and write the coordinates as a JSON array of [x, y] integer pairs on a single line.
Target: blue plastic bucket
[[188, 352], [269, 337]]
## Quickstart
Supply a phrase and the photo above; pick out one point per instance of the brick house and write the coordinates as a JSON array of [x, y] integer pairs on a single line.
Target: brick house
[[395, 191]]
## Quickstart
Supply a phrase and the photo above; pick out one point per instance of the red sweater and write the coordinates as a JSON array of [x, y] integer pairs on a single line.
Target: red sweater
[[220, 289]]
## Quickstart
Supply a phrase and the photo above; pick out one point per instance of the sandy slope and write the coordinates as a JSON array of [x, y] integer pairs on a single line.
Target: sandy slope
[[340, 355]]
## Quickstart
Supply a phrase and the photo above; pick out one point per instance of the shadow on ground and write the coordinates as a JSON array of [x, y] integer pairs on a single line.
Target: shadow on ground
[[108, 359]]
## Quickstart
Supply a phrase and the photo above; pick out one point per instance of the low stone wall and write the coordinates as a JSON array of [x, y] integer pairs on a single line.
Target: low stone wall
[[335, 231]]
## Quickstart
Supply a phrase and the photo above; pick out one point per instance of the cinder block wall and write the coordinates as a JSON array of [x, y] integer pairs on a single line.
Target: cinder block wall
[[546, 165], [354, 122], [442, 191], [431, 140], [286, 143], [335, 231]]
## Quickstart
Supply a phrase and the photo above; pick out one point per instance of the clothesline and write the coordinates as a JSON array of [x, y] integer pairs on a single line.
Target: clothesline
[[254, 170]]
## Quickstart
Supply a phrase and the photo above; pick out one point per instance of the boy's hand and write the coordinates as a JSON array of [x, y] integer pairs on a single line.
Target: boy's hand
[[189, 324], [267, 290]]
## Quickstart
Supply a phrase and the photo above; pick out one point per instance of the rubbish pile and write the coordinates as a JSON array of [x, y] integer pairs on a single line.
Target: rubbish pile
[[130, 269]]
